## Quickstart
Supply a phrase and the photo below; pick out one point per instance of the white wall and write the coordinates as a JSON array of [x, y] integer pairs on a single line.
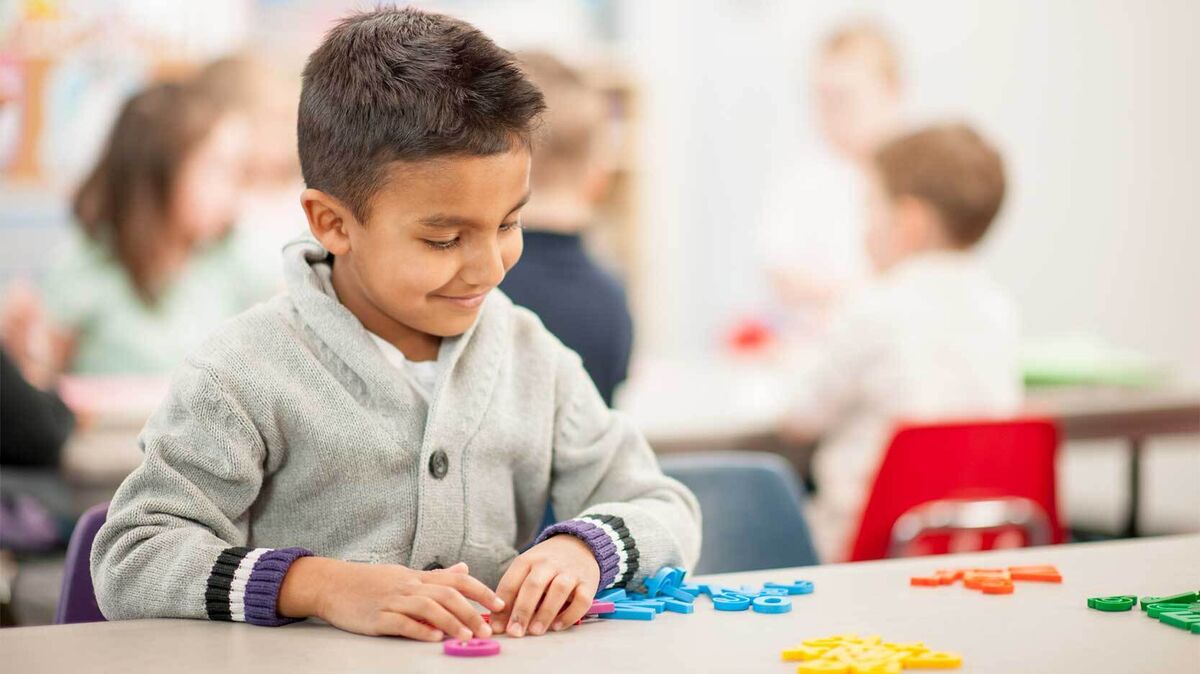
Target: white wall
[[1094, 104]]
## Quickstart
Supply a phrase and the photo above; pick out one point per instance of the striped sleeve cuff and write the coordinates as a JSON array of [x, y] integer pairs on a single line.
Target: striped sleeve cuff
[[244, 583], [610, 541]]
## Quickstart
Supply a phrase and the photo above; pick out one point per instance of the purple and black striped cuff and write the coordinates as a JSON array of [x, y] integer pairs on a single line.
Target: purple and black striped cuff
[[244, 583], [609, 540]]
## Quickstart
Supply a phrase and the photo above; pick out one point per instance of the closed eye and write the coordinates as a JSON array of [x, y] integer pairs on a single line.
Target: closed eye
[[441, 245]]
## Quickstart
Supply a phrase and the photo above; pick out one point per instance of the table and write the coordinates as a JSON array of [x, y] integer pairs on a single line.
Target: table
[[726, 403], [1129, 414], [1041, 627]]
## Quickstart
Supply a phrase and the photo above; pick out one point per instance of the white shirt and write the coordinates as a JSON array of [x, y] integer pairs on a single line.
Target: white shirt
[[932, 339], [423, 374]]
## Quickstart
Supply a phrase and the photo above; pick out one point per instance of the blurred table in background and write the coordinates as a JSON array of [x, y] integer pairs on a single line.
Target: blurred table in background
[[729, 403], [111, 413]]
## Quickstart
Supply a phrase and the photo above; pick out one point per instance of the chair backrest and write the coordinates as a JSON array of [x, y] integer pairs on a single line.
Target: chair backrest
[[976, 460], [77, 601], [752, 506]]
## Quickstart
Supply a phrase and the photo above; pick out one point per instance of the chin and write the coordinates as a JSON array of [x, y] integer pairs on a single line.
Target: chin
[[452, 327]]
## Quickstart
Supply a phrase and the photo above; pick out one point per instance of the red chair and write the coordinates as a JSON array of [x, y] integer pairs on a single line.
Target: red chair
[[985, 478]]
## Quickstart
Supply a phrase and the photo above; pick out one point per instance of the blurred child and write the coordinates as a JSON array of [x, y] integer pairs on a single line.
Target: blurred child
[[148, 273], [932, 337], [577, 300], [266, 96], [813, 220], [354, 448]]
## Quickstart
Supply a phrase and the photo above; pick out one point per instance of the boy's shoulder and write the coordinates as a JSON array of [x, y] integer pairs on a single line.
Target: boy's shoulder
[[252, 339]]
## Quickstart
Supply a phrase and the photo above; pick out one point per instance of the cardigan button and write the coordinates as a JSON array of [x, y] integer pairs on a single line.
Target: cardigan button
[[439, 464]]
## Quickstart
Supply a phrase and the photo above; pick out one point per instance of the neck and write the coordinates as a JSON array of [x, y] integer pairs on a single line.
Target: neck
[[414, 344]]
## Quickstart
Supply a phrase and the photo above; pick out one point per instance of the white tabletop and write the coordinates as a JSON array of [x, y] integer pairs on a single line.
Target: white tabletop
[[717, 400], [1039, 628]]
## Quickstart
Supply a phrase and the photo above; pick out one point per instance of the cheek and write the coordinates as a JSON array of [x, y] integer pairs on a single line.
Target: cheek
[[197, 213], [408, 277], [205, 202], [511, 249]]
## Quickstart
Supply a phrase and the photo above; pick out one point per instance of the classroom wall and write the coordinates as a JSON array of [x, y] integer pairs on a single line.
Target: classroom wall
[[1094, 105]]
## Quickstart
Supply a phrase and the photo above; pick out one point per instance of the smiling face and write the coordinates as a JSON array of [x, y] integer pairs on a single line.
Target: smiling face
[[442, 233]]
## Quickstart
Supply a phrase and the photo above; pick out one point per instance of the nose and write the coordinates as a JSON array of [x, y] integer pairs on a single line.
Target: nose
[[484, 268]]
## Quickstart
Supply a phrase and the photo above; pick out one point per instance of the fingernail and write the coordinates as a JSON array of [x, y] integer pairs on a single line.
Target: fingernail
[[438, 635], [536, 628], [499, 604], [465, 634], [558, 627], [485, 631], [516, 630]]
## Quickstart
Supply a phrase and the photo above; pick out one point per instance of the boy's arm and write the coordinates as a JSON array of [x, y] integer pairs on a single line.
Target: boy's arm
[[607, 479], [173, 543]]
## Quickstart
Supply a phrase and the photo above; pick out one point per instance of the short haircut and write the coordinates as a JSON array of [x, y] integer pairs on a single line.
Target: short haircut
[[572, 123], [869, 40], [393, 85], [952, 169]]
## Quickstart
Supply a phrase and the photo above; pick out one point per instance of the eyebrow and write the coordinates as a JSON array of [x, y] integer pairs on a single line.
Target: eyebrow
[[444, 220]]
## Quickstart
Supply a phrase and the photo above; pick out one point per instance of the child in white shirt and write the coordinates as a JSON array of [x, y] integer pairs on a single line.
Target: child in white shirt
[[931, 338]]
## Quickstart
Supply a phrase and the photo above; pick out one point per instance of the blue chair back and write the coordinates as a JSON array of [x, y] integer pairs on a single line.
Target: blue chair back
[[753, 510], [77, 600]]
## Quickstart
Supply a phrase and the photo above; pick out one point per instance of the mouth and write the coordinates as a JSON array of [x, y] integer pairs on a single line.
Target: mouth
[[463, 301]]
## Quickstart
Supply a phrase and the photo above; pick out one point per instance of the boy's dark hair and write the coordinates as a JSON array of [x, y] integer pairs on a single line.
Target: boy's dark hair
[[402, 85], [951, 168]]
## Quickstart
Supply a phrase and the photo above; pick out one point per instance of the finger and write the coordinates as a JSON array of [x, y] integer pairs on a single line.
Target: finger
[[454, 602], [510, 583], [428, 609], [581, 601], [458, 567], [468, 586], [527, 600], [557, 594], [395, 624]]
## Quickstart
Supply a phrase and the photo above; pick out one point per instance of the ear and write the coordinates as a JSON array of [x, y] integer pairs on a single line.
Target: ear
[[917, 222], [329, 220]]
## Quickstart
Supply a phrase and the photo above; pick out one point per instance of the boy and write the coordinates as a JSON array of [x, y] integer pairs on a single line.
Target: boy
[[352, 449], [581, 303], [933, 337]]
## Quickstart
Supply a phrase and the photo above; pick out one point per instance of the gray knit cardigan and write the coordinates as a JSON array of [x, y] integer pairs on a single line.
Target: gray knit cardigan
[[289, 434]]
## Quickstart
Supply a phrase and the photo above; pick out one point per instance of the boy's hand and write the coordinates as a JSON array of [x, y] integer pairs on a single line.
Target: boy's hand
[[387, 599], [550, 586]]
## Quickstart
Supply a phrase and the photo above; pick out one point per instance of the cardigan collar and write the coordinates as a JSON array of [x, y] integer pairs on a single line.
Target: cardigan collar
[[469, 363]]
